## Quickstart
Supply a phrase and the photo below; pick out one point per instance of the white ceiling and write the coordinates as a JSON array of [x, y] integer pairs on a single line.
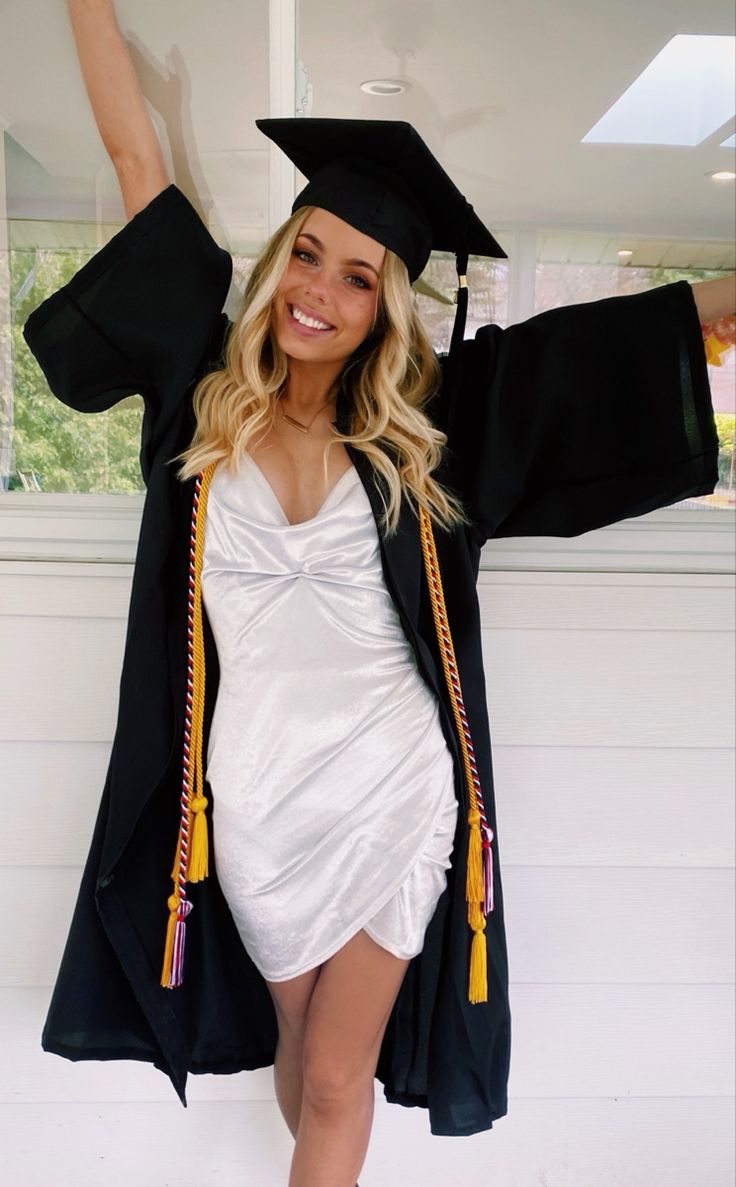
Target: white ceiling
[[502, 90]]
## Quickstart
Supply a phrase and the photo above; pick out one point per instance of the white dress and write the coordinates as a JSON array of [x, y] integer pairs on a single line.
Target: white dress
[[332, 784]]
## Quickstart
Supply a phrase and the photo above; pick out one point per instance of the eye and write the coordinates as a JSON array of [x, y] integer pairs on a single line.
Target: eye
[[301, 252], [362, 283]]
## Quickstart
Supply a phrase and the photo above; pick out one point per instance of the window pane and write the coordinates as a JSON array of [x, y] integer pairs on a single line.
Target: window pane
[[487, 297], [206, 81], [53, 447]]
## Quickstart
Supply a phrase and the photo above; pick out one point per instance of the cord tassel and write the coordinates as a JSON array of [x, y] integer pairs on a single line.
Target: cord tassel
[[474, 878], [173, 905], [479, 872], [199, 860], [478, 986], [173, 969], [487, 871]]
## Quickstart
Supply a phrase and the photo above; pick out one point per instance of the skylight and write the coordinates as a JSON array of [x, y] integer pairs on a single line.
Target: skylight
[[683, 96]]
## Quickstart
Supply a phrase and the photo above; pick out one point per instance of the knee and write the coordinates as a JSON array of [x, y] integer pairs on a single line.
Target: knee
[[331, 1084]]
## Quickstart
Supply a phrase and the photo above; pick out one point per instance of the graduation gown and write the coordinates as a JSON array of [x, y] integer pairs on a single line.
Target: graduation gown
[[574, 419]]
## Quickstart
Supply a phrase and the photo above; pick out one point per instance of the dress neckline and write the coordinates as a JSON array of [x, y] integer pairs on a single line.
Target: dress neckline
[[272, 494]]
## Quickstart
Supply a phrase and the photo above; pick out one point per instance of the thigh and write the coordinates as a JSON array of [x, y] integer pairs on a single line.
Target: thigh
[[291, 999], [348, 1013]]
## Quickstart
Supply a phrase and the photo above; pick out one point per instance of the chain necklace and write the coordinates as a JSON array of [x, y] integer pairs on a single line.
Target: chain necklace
[[297, 423]]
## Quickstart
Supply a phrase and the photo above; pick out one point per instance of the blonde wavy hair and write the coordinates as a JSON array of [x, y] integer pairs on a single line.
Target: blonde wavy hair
[[388, 380]]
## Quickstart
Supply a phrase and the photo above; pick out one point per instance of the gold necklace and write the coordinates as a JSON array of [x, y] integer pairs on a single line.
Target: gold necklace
[[297, 423]]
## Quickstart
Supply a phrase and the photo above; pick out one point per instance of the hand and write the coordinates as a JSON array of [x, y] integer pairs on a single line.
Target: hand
[[715, 299]]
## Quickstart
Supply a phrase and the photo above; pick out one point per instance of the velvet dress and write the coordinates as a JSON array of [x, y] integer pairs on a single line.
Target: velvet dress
[[333, 802]]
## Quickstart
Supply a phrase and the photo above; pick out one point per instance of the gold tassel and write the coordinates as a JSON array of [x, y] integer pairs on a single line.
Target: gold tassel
[[199, 851], [474, 878], [173, 905], [478, 989]]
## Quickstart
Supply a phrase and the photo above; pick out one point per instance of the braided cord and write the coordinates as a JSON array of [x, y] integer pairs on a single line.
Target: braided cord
[[191, 858], [479, 884]]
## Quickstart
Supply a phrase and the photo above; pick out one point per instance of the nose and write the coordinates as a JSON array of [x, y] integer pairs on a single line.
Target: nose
[[318, 288]]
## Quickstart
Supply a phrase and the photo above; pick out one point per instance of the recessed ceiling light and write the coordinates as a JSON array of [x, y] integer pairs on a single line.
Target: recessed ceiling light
[[384, 86], [722, 175]]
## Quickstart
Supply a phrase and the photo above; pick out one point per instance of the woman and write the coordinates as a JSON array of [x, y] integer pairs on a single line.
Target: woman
[[291, 460]]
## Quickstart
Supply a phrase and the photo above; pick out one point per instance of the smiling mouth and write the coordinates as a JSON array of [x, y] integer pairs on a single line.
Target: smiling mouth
[[308, 322]]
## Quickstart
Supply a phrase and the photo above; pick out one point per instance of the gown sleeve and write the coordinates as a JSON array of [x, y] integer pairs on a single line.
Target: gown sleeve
[[583, 416], [137, 317]]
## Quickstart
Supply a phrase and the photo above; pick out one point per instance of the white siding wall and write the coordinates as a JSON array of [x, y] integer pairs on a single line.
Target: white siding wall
[[611, 703]]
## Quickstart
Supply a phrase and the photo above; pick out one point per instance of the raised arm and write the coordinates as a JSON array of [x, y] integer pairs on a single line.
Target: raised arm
[[117, 103]]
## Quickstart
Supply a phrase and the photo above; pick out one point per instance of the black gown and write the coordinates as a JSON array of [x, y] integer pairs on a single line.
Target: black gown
[[576, 418]]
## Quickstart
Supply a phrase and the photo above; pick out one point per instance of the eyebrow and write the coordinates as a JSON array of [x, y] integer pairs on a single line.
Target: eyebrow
[[353, 263]]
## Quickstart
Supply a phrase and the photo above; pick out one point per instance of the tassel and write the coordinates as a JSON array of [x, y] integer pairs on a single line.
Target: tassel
[[173, 905], [177, 962], [172, 973], [487, 871], [474, 878], [478, 989], [199, 853]]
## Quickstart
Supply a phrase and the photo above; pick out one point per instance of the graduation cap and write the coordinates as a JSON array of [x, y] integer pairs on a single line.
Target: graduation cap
[[380, 176]]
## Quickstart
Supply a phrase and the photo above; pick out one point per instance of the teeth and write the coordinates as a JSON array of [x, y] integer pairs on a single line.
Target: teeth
[[308, 321]]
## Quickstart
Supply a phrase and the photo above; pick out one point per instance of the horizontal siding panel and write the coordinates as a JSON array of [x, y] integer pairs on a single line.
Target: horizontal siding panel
[[672, 807], [56, 792], [620, 925], [615, 806], [81, 595], [652, 1142], [64, 674], [568, 1040], [576, 925], [609, 688], [508, 601], [612, 601]]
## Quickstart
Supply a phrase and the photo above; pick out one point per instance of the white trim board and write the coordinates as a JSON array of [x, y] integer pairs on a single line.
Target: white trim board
[[103, 529]]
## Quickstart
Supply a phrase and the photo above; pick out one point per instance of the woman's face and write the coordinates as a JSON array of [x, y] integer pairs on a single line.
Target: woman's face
[[325, 304]]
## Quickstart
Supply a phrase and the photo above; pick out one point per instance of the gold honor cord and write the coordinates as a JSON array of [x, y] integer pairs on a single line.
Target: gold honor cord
[[191, 862], [477, 894]]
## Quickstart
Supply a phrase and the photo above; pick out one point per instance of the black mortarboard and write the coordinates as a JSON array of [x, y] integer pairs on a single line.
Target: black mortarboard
[[379, 176]]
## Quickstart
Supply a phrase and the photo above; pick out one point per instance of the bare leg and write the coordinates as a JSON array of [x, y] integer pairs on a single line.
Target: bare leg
[[287, 1078], [346, 1019], [291, 999]]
